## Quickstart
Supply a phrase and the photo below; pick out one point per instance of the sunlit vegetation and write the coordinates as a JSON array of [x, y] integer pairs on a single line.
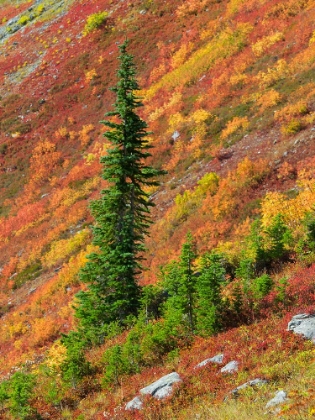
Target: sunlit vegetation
[[229, 94]]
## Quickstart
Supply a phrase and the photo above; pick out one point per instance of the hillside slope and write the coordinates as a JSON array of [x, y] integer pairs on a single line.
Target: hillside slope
[[228, 88]]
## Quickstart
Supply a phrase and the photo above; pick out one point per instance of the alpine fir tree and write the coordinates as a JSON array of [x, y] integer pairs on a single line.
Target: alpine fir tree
[[180, 283], [121, 214]]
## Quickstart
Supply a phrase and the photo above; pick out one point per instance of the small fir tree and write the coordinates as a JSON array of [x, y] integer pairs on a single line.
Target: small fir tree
[[121, 214], [180, 283], [209, 285]]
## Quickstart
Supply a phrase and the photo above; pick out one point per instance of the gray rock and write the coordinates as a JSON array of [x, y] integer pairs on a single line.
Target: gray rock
[[134, 404], [252, 383], [231, 367], [279, 398], [159, 389], [175, 135], [163, 392], [215, 359], [155, 389], [303, 324]]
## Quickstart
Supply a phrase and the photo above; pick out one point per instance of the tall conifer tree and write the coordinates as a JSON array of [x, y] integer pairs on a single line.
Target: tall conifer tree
[[121, 214]]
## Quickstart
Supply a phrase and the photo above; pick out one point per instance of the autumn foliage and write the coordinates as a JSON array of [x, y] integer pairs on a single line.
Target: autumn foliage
[[229, 94]]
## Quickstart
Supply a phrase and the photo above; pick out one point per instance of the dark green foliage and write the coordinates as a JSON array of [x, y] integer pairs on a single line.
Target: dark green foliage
[[121, 214], [152, 298], [4, 396], [180, 284], [209, 285], [267, 246], [3, 149], [278, 239], [306, 245], [261, 286], [115, 367], [256, 245], [310, 226], [246, 272], [75, 367]]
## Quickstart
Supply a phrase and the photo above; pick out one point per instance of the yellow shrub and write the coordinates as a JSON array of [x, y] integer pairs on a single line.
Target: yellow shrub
[[62, 132], [56, 356], [292, 127], [233, 6], [238, 78], [175, 120], [200, 116], [64, 247], [17, 329], [43, 329], [191, 7], [234, 125], [225, 44], [273, 74], [94, 21], [312, 39], [180, 55], [292, 110], [90, 75], [263, 44], [269, 99], [84, 134]]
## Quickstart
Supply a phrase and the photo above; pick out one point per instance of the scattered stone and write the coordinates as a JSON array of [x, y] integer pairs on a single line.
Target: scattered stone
[[303, 324], [224, 154], [253, 383], [215, 359], [32, 290], [279, 398], [231, 367]]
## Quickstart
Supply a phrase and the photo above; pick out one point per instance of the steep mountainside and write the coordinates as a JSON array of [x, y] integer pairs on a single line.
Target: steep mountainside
[[229, 95]]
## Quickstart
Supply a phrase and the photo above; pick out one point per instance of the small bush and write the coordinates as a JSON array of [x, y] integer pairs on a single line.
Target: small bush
[[94, 21], [262, 285], [293, 127], [3, 148], [23, 20], [19, 391]]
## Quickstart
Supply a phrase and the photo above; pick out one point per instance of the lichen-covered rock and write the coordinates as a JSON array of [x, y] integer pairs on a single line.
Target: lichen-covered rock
[[231, 367], [303, 324], [215, 359]]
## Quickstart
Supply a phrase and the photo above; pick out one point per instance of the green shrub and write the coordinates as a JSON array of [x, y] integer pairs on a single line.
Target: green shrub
[[94, 21]]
